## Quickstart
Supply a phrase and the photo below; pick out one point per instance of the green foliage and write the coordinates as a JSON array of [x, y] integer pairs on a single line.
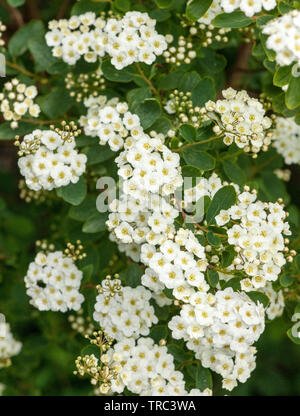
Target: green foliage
[[223, 199]]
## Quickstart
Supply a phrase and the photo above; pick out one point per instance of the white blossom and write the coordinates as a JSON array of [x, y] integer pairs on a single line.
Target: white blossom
[[53, 283]]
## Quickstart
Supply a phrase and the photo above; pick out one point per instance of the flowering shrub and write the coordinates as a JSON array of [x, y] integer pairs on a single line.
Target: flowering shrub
[[149, 245]]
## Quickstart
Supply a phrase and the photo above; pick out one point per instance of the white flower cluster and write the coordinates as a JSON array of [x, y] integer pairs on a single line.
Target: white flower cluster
[[177, 265], [258, 236], [111, 121], [53, 283], [145, 369], [55, 163], [16, 100], [9, 347], [130, 39], [286, 140], [127, 314], [283, 38], [276, 305], [149, 173], [241, 119], [221, 330]]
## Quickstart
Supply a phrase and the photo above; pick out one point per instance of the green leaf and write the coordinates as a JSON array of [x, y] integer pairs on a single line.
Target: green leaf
[[148, 112], [18, 43], [291, 336], [235, 283], [170, 81], [179, 354], [189, 81], [223, 199], [189, 171], [90, 350], [297, 262], [234, 20], [123, 5], [85, 210], [162, 125], [115, 75], [203, 92], [87, 272], [159, 15], [6, 132], [188, 132], [95, 223], [132, 275], [137, 96], [292, 97], [158, 332], [282, 75], [74, 193], [201, 376], [16, 3], [227, 256], [84, 6], [212, 277], [196, 8], [259, 297], [286, 280], [164, 4], [42, 53], [49, 103], [234, 172], [202, 160], [213, 239], [98, 154]]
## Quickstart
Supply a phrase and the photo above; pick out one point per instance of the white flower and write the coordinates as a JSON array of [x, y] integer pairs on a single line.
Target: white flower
[[53, 164], [283, 37], [241, 119], [123, 40], [286, 140], [53, 282], [9, 347]]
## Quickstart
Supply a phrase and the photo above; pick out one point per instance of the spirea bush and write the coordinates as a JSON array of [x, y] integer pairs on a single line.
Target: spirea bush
[[150, 222]]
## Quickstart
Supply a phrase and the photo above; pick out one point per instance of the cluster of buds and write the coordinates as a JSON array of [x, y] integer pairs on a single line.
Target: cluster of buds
[[181, 105], [110, 286], [45, 246], [29, 195], [29, 145], [74, 251], [209, 34], [182, 53], [32, 142], [248, 33], [81, 324], [2, 29], [84, 85], [68, 132], [100, 371]]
